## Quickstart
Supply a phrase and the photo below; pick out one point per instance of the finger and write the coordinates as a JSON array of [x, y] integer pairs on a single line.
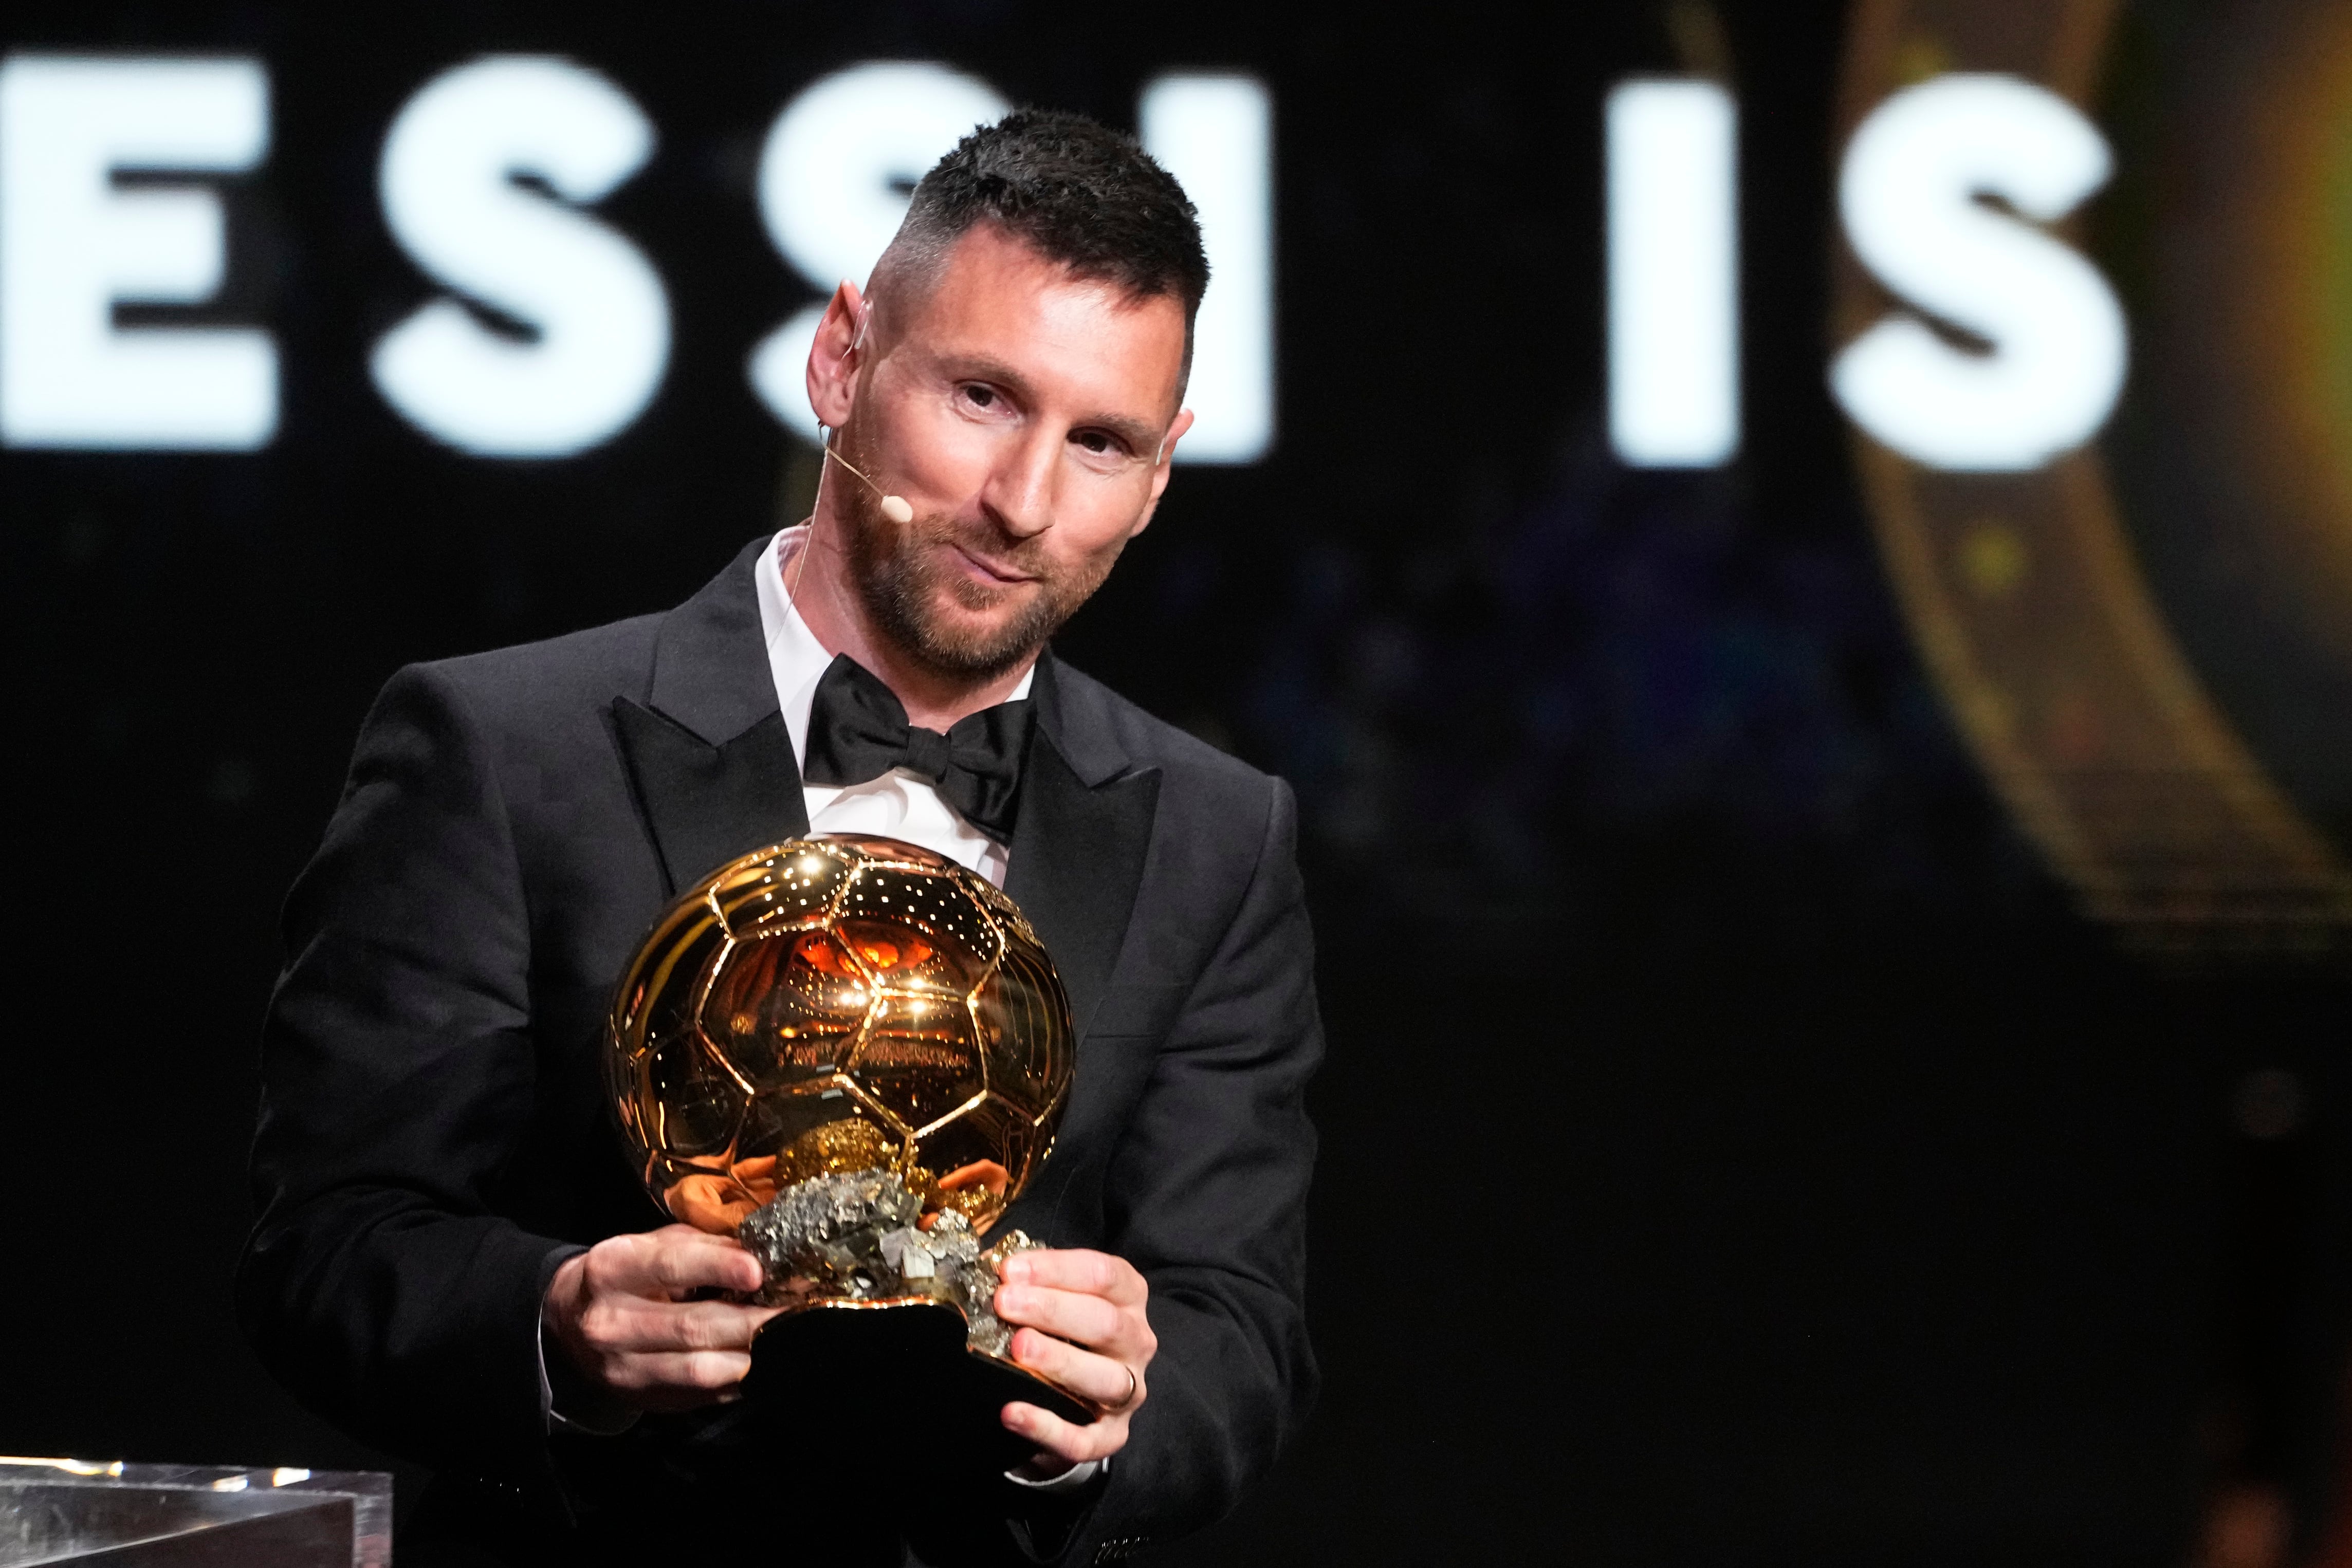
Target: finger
[[677, 1258], [1097, 1440], [626, 1265], [629, 1326], [691, 1259], [680, 1369], [1085, 1320], [1098, 1378], [703, 1372], [1077, 1269]]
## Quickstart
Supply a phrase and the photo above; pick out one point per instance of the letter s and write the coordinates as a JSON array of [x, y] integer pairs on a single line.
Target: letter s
[[1908, 196], [594, 306]]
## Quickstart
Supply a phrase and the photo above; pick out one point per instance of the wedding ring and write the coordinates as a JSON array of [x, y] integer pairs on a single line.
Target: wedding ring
[[1134, 1388]]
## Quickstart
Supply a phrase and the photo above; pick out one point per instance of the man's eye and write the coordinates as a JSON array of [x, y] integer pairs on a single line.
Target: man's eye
[[1096, 442], [982, 397]]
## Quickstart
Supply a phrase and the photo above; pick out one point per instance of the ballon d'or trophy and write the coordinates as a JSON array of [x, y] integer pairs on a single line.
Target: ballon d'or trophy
[[851, 1054]]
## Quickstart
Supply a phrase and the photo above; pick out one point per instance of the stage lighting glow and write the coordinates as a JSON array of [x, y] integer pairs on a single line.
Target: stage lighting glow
[[594, 315], [2028, 583], [1215, 134], [72, 246], [1673, 274], [840, 162], [1911, 196]]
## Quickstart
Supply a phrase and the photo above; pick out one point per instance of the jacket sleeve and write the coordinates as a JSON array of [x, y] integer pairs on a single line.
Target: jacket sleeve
[[1207, 1197], [397, 1077]]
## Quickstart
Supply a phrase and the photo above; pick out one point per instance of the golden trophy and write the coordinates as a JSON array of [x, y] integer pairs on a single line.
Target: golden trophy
[[850, 1054]]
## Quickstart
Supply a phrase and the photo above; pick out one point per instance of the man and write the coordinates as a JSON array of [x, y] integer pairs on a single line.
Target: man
[[452, 1260]]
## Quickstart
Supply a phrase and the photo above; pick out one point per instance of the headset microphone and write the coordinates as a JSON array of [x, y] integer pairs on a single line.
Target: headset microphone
[[894, 507]]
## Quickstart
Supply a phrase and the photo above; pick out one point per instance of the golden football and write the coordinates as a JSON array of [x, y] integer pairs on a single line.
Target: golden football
[[837, 1003]]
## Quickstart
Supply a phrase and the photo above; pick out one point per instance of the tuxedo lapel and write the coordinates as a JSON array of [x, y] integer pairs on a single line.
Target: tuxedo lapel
[[707, 754], [707, 804], [1079, 841]]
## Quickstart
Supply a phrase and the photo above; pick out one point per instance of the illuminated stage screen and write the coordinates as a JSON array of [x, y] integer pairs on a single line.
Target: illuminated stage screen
[[1798, 557]]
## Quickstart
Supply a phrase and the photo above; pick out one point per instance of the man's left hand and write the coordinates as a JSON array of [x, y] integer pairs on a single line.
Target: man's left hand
[[1085, 1329]]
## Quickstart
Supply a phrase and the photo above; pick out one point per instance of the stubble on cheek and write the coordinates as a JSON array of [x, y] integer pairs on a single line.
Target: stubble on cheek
[[906, 577]]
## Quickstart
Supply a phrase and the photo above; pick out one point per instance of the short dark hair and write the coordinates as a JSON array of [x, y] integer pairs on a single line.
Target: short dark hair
[[1072, 189]]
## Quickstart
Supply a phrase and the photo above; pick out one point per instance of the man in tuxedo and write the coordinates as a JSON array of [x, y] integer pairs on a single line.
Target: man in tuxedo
[[452, 1260]]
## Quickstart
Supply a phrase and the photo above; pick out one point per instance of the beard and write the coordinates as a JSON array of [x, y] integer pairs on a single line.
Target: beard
[[904, 572]]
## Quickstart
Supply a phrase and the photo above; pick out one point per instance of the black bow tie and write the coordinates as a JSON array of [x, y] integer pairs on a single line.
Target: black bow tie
[[858, 730]]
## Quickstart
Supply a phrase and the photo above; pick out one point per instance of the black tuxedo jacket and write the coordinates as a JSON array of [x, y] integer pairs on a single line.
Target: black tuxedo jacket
[[434, 1135]]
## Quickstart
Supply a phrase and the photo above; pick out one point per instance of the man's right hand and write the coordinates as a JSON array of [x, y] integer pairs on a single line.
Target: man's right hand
[[620, 1314]]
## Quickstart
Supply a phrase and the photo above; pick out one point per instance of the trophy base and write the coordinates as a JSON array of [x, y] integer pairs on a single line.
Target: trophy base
[[908, 1361], [887, 1311]]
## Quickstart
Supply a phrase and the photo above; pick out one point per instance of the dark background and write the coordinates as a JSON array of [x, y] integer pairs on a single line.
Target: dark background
[[1737, 1150]]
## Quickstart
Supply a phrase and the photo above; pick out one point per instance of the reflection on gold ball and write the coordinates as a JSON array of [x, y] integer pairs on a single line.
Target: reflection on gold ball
[[837, 1003]]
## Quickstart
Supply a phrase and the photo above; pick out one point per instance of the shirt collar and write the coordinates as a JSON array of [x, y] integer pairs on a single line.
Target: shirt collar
[[796, 659]]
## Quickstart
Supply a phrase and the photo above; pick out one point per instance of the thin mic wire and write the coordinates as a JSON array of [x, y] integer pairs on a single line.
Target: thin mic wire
[[853, 467], [816, 510]]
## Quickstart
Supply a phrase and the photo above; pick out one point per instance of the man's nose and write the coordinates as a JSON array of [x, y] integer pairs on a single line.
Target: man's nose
[[1019, 491]]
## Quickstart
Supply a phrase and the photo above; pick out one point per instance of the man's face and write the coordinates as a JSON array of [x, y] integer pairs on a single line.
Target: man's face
[[1020, 411]]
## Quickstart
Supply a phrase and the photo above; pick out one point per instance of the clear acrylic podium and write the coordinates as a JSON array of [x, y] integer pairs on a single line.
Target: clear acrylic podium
[[191, 1516]]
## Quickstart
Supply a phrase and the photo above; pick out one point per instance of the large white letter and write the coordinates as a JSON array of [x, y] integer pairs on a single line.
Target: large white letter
[[1215, 134], [594, 306], [840, 162], [1673, 274], [72, 248], [1909, 195]]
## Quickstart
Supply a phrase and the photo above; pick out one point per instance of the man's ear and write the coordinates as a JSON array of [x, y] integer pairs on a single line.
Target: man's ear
[[833, 357], [1164, 468]]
